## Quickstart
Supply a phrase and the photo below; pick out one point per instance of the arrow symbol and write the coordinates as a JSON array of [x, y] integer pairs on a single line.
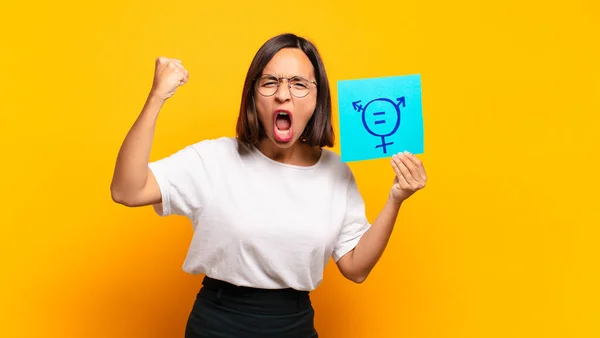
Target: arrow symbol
[[357, 106], [401, 101]]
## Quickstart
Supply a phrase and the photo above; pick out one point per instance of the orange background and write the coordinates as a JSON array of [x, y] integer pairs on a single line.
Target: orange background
[[504, 241]]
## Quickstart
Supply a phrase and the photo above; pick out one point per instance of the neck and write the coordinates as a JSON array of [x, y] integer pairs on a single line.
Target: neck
[[299, 153]]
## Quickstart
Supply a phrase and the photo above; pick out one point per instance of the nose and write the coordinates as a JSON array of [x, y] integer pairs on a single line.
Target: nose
[[283, 92]]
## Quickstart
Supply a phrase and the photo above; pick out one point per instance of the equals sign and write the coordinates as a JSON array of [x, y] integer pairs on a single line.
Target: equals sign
[[377, 114]]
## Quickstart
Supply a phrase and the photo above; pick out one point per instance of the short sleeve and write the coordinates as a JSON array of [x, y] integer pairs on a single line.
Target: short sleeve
[[355, 222], [186, 179]]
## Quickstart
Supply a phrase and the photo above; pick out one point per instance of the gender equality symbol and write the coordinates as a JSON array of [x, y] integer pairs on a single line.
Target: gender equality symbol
[[381, 118]]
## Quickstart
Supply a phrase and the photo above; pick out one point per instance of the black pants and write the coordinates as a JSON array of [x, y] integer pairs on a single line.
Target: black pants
[[224, 310]]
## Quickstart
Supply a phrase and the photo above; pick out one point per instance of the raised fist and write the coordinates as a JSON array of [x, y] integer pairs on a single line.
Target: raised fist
[[168, 75]]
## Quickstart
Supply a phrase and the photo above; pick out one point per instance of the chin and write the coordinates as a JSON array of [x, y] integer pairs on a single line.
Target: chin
[[283, 143]]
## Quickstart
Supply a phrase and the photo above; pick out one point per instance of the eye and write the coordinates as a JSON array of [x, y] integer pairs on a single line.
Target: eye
[[268, 81], [300, 84]]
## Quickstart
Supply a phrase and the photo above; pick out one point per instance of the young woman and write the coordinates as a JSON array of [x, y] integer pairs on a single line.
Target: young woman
[[269, 207]]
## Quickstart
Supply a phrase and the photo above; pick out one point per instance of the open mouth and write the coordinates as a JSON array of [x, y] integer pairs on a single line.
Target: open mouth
[[282, 126]]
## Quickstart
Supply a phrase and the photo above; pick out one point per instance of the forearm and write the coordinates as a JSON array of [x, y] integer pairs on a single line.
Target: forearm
[[131, 169], [374, 241]]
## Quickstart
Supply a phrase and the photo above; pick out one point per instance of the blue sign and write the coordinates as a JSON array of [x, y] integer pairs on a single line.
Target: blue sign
[[380, 117]]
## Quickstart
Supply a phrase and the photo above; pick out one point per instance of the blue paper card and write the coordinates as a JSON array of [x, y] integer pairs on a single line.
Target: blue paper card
[[380, 117]]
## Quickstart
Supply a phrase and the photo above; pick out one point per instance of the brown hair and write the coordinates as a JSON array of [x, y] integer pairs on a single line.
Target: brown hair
[[318, 131]]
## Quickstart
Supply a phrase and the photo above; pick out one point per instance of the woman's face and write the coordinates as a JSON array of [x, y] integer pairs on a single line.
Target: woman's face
[[285, 113]]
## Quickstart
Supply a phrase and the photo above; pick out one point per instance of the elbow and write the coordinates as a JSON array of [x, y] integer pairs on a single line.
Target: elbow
[[118, 196], [358, 279], [355, 271]]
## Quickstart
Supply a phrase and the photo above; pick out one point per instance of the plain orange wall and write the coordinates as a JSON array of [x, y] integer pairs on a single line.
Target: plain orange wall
[[504, 241]]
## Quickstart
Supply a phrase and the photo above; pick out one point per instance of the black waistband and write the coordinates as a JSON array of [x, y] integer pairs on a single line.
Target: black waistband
[[255, 300], [215, 284]]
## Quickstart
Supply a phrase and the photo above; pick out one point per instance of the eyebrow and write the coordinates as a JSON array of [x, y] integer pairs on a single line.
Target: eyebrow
[[291, 77]]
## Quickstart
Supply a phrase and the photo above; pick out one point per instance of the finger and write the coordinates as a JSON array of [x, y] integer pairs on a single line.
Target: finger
[[401, 180], [183, 81], [395, 167], [179, 67], [183, 75], [175, 63], [410, 166], [404, 171], [418, 163], [414, 159], [182, 69]]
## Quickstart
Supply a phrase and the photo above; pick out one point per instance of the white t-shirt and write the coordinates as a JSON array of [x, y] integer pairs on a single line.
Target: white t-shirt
[[258, 222]]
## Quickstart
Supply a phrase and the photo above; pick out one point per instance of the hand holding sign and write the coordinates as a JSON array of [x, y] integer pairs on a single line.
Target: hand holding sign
[[410, 176], [380, 117]]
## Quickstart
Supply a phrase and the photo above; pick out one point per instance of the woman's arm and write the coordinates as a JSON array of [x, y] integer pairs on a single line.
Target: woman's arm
[[133, 183], [410, 177]]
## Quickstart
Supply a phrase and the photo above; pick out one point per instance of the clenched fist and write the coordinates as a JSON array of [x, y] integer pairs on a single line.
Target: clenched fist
[[169, 74]]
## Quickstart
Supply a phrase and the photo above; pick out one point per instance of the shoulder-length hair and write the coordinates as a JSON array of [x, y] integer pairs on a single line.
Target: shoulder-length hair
[[319, 130]]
